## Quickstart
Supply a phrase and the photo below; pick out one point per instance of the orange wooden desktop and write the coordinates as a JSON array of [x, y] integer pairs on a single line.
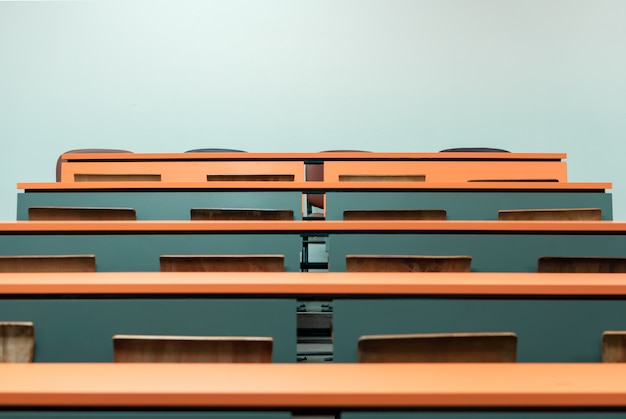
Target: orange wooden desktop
[[332, 386]]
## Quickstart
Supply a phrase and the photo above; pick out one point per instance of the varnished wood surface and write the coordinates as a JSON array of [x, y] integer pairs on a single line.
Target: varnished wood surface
[[320, 186], [379, 263], [240, 214], [581, 264], [342, 386], [382, 178], [48, 263], [17, 341], [222, 263], [423, 214], [114, 177], [335, 284], [80, 213], [552, 214], [298, 226], [439, 347], [236, 349], [614, 346]]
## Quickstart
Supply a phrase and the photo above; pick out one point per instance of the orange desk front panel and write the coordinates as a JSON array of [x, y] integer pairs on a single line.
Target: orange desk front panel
[[327, 386]]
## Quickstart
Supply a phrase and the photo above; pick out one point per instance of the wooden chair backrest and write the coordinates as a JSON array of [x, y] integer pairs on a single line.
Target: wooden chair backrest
[[418, 214], [17, 341], [239, 349], [383, 263], [240, 214], [439, 347], [222, 263], [48, 263], [581, 264], [552, 214], [614, 346], [80, 213]]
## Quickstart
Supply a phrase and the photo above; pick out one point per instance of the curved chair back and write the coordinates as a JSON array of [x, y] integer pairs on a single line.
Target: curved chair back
[[84, 150]]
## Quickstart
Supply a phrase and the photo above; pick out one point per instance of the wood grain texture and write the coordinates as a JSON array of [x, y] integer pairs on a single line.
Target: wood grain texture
[[222, 263], [80, 213], [614, 346], [581, 264], [439, 347], [236, 349], [240, 214], [375, 263], [48, 263], [250, 178], [552, 214], [89, 177], [382, 178], [422, 214], [17, 341]]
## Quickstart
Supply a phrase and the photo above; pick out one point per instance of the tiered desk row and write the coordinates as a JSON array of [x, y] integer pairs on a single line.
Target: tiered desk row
[[108, 251]]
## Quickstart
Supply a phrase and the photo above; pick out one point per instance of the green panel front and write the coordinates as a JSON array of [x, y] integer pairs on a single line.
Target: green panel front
[[490, 252], [548, 330], [80, 330], [154, 414], [465, 204], [172, 205], [117, 251], [511, 414]]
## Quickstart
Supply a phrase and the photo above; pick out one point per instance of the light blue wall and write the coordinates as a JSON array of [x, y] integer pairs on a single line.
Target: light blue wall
[[307, 75]]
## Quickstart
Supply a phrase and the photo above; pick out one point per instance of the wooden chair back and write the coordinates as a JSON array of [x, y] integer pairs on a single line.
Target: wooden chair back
[[418, 214], [439, 347], [581, 264], [383, 263], [17, 341], [240, 214], [80, 214], [238, 349], [48, 263], [552, 214], [614, 346], [222, 263]]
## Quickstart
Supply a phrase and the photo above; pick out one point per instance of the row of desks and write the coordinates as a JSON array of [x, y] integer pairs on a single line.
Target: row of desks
[[557, 317], [495, 246], [174, 200]]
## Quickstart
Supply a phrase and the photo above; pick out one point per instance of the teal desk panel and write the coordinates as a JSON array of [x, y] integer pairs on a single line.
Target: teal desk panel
[[548, 329], [162, 205], [488, 414], [491, 251], [74, 329], [465, 204], [140, 251]]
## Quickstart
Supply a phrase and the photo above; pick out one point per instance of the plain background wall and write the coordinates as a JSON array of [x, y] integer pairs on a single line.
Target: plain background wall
[[309, 75]]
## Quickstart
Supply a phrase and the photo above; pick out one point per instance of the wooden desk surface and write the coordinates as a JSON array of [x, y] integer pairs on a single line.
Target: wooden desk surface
[[314, 227], [326, 385], [321, 156], [330, 284], [319, 186]]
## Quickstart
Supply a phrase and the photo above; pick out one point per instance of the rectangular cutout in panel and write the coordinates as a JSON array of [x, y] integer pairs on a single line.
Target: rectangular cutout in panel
[[581, 264], [116, 178], [238, 349], [439, 347], [80, 213], [250, 178], [384, 263], [222, 263], [425, 214], [48, 263], [552, 214], [17, 341], [382, 178], [240, 214]]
